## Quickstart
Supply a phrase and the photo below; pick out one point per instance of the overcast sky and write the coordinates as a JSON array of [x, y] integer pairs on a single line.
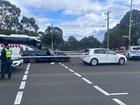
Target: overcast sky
[[79, 18]]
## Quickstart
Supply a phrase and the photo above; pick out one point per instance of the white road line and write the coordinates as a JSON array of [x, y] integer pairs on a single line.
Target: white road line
[[66, 67], [18, 98], [101, 90], [52, 63], [25, 77], [22, 85], [28, 66], [61, 64], [77, 74], [113, 94], [71, 70], [118, 101], [26, 72], [87, 81]]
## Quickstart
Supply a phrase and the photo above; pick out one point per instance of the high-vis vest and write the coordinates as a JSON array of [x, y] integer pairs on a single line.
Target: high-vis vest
[[8, 53]]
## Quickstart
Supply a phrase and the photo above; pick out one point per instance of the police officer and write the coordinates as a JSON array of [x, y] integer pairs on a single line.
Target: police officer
[[6, 61]]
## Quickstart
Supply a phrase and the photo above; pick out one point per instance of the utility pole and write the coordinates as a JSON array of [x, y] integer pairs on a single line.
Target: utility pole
[[108, 28], [52, 36], [130, 24]]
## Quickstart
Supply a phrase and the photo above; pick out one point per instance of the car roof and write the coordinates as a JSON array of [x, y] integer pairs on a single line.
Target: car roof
[[96, 48], [134, 46]]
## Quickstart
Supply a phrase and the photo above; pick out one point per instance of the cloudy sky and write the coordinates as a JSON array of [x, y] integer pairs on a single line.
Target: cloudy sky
[[79, 18]]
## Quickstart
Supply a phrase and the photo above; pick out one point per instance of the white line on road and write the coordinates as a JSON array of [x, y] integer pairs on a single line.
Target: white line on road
[[22, 85], [28, 66], [77, 74], [52, 63], [118, 101], [26, 72], [71, 70], [97, 87], [61, 64], [25, 77], [101, 90], [113, 94], [18, 98], [87, 81], [66, 67]]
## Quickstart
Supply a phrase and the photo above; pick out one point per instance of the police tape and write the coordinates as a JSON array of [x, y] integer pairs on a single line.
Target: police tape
[[45, 57]]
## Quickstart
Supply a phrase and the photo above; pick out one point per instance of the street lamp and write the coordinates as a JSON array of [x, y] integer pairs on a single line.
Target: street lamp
[[130, 24]]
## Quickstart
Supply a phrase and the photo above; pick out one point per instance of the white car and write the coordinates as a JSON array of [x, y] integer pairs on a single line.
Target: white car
[[17, 60], [133, 52], [95, 56]]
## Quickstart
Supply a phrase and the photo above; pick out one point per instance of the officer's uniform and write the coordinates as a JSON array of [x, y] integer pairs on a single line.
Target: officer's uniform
[[6, 63], [9, 62], [3, 63]]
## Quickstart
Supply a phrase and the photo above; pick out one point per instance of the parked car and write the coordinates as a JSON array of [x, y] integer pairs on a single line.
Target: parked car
[[96, 56], [133, 52]]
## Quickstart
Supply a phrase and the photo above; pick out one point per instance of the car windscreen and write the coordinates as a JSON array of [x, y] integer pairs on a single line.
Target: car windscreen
[[86, 51]]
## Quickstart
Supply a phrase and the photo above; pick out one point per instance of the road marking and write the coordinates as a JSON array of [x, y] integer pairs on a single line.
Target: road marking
[[18, 98], [22, 85], [87, 81], [52, 63], [118, 101], [77, 74], [101, 90], [25, 77], [26, 72], [66, 67], [28, 66], [97, 87], [62, 64], [113, 94], [71, 70]]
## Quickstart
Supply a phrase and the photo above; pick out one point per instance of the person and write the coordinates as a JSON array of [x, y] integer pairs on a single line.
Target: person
[[6, 62]]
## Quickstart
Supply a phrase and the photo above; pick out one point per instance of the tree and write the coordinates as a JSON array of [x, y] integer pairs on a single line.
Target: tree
[[55, 35], [73, 43], [117, 33], [29, 26], [89, 42], [9, 17]]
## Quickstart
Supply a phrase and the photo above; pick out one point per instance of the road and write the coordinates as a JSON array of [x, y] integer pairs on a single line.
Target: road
[[72, 83]]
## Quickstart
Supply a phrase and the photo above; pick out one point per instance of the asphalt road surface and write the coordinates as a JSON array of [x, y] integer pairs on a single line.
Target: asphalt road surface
[[72, 83]]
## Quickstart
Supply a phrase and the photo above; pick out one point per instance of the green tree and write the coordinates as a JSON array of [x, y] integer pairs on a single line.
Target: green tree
[[89, 42], [55, 35], [9, 17], [122, 29], [29, 26], [73, 43]]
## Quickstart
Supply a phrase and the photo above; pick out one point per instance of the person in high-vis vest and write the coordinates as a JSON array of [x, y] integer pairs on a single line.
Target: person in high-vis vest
[[6, 61]]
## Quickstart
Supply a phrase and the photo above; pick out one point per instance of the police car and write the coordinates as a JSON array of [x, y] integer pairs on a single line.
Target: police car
[[16, 57], [17, 43]]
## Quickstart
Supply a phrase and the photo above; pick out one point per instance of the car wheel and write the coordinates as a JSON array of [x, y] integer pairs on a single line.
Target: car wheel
[[94, 62], [121, 61]]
